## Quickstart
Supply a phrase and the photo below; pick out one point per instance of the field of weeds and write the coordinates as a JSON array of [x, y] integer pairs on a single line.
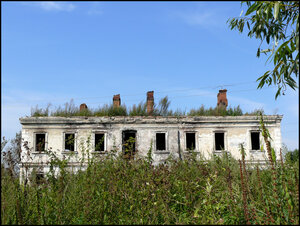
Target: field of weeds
[[118, 191]]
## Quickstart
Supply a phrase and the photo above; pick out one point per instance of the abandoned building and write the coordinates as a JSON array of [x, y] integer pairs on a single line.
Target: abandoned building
[[72, 137]]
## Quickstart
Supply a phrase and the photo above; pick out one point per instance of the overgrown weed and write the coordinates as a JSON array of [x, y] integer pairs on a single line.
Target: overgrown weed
[[162, 109], [118, 191]]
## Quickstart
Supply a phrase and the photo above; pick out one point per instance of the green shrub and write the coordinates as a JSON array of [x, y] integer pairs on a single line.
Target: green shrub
[[118, 191]]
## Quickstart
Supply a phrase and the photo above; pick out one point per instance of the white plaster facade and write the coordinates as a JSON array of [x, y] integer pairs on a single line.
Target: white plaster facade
[[236, 129]]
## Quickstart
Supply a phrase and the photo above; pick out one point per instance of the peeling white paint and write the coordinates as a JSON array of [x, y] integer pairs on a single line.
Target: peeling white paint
[[236, 130]]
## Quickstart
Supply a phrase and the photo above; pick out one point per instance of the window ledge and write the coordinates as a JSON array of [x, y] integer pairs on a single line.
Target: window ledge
[[161, 152], [219, 152], [69, 152], [99, 152], [190, 152], [256, 151]]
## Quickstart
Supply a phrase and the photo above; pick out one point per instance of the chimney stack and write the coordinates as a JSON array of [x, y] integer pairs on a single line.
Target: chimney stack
[[116, 100], [222, 99], [150, 102], [83, 106]]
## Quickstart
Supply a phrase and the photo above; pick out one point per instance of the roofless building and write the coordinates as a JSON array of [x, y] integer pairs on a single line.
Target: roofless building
[[133, 136]]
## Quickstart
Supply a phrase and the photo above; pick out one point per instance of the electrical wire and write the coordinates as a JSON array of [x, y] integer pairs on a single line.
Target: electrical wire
[[167, 91]]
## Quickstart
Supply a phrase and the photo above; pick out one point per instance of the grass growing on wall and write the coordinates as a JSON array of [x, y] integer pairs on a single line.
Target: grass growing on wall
[[161, 109]]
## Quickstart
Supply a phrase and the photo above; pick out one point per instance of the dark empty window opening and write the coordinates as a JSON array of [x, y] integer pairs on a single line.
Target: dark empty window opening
[[99, 142], [255, 140], [40, 142], [161, 141], [69, 141], [129, 140], [190, 141], [39, 178], [219, 140]]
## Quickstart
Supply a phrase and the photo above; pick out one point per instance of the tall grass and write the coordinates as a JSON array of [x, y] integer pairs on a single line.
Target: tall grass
[[162, 109], [118, 191]]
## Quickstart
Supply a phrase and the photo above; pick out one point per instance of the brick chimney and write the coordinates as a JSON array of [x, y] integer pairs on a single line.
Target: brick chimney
[[83, 106], [150, 102], [222, 99], [117, 100]]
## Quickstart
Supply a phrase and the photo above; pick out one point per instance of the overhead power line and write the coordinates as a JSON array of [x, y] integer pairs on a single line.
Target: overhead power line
[[164, 91], [171, 91], [181, 96]]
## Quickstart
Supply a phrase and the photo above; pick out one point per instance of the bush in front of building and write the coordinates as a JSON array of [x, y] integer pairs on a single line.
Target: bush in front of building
[[192, 191]]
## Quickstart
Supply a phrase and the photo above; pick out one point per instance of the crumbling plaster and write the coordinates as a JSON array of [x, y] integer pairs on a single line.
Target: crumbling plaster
[[236, 129]]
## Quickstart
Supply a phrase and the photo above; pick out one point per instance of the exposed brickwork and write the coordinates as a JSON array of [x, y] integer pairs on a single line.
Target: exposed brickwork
[[83, 106], [117, 100], [222, 98], [150, 102]]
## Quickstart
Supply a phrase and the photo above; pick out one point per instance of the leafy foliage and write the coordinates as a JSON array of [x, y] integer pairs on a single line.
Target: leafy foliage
[[3, 143], [292, 156], [277, 22], [118, 191], [11, 155]]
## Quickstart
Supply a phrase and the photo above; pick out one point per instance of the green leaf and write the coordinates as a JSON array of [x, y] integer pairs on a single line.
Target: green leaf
[[258, 52], [263, 79], [268, 39], [241, 13], [276, 10], [251, 9], [278, 93]]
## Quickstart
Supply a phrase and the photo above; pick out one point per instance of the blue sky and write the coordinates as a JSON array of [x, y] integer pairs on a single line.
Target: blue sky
[[89, 51]]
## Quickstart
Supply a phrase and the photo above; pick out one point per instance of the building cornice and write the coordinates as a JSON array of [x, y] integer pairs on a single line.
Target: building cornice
[[81, 120]]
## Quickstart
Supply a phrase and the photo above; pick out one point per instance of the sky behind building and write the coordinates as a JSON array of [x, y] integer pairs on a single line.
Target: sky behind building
[[89, 51]]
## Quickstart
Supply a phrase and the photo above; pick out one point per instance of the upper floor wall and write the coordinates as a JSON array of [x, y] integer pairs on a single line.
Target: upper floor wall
[[164, 135]]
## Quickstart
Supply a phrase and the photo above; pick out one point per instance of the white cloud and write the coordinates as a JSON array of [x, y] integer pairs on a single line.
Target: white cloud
[[54, 6], [198, 18], [94, 12], [201, 16], [95, 9]]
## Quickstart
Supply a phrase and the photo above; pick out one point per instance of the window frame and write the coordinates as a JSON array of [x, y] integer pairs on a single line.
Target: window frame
[[136, 143], [75, 143], [40, 178], [94, 141], [214, 140], [46, 141], [185, 140], [166, 142], [259, 139]]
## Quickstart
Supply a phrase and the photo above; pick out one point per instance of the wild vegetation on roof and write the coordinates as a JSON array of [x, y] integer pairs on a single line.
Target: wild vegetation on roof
[[162, 109]]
